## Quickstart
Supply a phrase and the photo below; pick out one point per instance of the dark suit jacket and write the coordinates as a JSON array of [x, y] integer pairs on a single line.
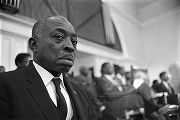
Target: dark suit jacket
[[110, 96], [23, 96], [162, 88]]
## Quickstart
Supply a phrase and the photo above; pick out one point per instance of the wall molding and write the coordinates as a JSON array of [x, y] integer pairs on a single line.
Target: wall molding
[[83, 44], [99, 50], [18, 18]]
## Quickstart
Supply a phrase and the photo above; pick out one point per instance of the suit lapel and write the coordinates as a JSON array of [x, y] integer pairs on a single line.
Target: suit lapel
[[110, 83], [75, 98], [40, 94]]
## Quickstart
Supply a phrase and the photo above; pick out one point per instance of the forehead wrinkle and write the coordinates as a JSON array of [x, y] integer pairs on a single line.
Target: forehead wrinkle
[[58, 22], [58, 26]]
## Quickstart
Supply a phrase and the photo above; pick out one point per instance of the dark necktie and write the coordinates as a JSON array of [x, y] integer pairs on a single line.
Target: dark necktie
[[61, 102]]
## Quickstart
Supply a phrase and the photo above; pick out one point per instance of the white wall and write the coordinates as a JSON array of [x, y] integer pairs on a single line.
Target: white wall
[[11, 45], [130, 33], [14, 34], [152, 44], [161, 43]]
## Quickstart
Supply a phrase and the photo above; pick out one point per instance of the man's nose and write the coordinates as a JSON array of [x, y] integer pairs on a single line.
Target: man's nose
[[69, 46]]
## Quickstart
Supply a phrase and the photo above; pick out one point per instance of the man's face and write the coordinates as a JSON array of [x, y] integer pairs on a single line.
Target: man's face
[[109, 69], [57, 46], [165, 77], [25, 62]]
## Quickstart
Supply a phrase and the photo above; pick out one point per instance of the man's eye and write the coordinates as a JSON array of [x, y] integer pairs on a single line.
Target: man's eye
[[59, 36], [74, 40]]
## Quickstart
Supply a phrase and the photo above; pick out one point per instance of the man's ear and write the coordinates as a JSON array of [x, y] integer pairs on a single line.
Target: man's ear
[[33, 44]]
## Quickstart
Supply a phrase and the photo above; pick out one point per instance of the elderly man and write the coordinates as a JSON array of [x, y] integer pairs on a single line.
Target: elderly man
[[42, 90]]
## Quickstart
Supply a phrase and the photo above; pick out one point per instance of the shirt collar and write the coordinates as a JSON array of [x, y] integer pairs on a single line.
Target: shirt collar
[[45, 75], [164, 82], [108, 76]]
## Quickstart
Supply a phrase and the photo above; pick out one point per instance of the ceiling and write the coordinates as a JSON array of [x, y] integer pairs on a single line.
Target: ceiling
[[139, 4], [142, 10]]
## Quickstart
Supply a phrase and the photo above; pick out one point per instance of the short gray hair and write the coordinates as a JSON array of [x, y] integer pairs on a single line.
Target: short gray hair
[[37, 27]]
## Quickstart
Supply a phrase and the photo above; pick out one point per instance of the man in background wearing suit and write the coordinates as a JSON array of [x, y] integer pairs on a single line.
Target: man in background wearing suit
[[22, 60], [110, 93], [164, 86], [42, 90]]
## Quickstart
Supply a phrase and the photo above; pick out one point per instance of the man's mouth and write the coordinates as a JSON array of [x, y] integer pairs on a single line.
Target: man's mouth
[[67, 57]]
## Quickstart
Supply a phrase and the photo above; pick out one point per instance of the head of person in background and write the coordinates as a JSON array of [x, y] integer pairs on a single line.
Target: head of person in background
[[119, 70], [107, 69], [22, 60], [2, 69], [120, 74], [164, 76], [128, 77], [84, 76], [140, 76], [155, 84], [84, 71]]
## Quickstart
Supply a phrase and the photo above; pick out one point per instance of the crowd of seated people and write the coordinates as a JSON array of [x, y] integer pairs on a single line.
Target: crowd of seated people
[[117, 94], [120, 92]]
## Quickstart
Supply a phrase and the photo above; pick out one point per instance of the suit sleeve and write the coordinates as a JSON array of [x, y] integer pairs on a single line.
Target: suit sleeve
[[145, 92], [4, 100], [92, 108], [109, 92]]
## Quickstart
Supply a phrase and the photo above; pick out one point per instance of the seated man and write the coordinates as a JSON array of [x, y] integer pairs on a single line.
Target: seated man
[[110, 93], [141, 97]]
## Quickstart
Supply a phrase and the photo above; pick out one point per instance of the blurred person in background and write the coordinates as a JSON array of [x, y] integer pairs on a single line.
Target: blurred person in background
[[154, 86], [84, 79], [164, 86], [129, 79], [110, 92], [2, 69], [22, 60], [119, 75], [142, 98]]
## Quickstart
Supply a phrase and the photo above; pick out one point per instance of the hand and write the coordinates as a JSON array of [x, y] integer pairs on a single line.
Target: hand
[[102, 108]]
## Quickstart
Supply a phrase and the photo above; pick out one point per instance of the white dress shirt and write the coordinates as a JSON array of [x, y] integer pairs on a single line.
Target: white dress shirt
[[123, 80], [167, 86], [47, 80]]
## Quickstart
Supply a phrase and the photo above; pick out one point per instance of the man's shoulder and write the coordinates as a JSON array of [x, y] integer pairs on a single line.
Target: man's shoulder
[[8, 76], [77, 87], [161, 84], [102, 79], [81, 90]]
